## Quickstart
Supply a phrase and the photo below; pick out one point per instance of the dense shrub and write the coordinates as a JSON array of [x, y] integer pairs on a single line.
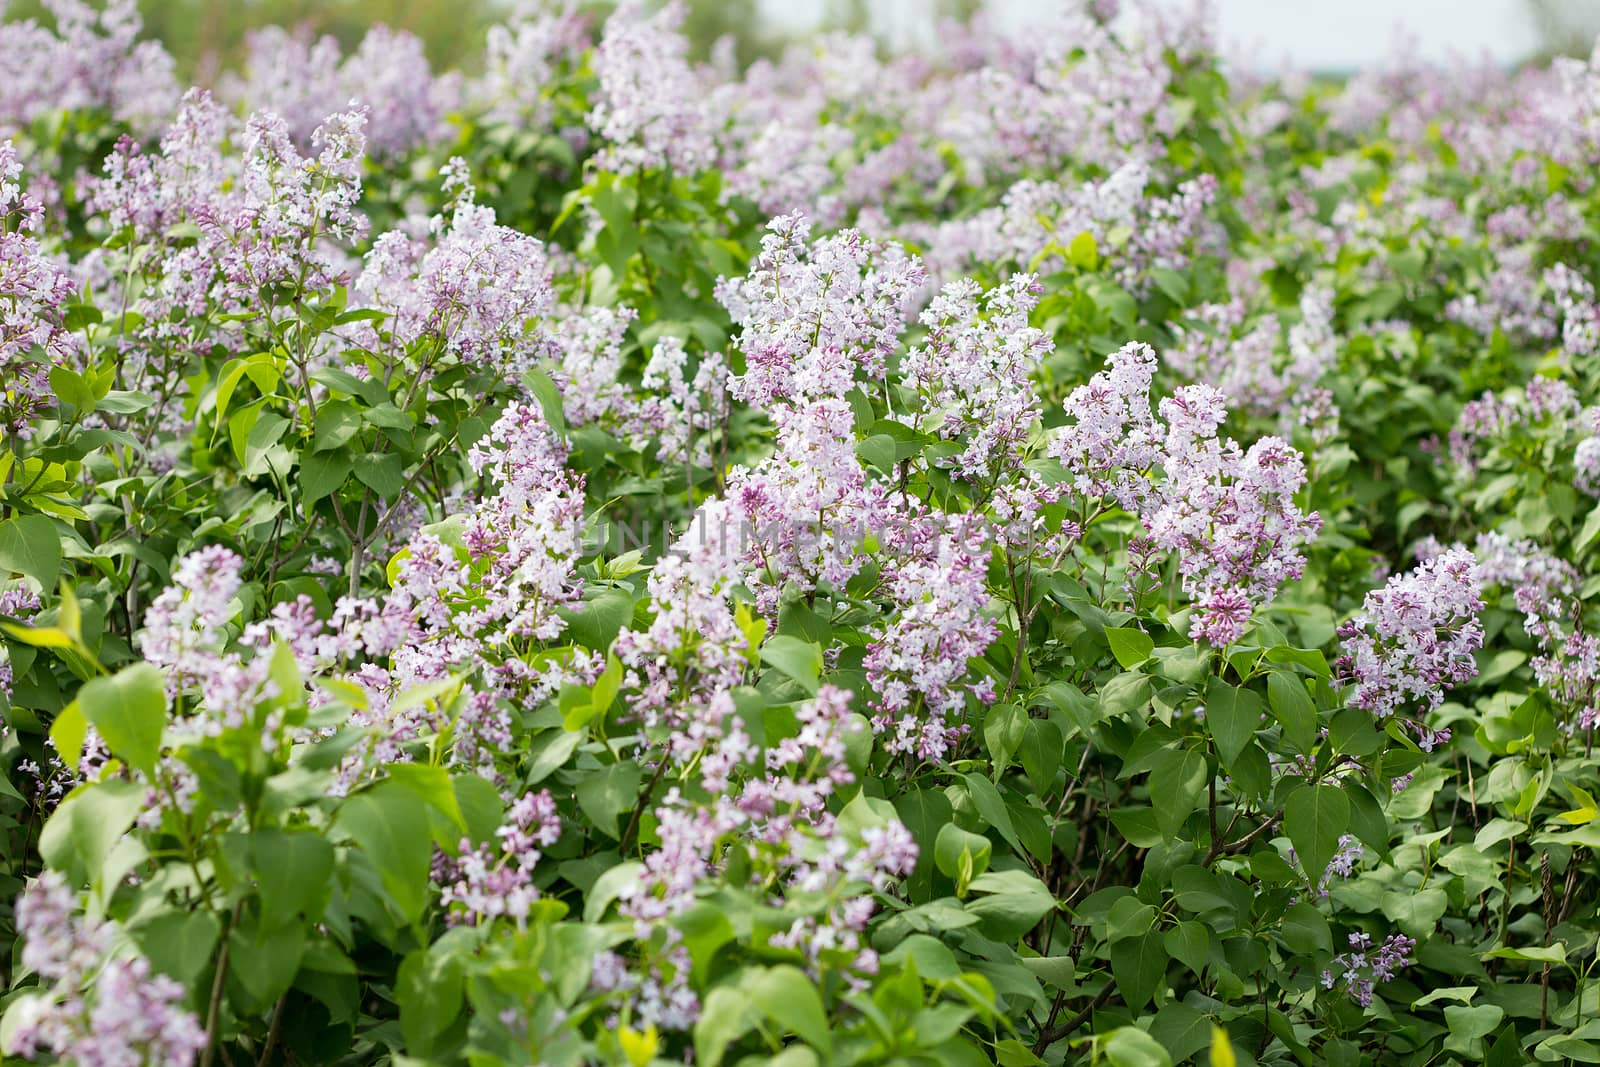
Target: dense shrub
[[1037, 554]]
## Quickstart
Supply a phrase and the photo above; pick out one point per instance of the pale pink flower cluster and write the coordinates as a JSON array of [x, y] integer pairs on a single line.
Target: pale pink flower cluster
[[100, 1007], [1413, 639], [492, 882]]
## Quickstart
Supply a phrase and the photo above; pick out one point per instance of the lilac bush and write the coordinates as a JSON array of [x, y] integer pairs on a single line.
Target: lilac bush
[[1053, 549]]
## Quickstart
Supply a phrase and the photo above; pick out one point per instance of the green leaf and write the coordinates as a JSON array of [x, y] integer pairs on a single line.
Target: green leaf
[[1139, 964], [790, 999], [623, 878], [1125, 694], [336, 423], [179, 944], [1309, 658], [1003, 731], [727, 1015], [322, 474], [1189, 942], [1131, 647], [382, 473], [1556, 953], [1470, 1025], [1292, 706], [68, 732], [1009, 903], [1083, 251], [428, 989], [986, 798], [1306, 931], [1415, 911], [596, 622], [130, 711], [551, 750], [84, 828], [1233, 716], [265, 961], [1176, 785], [800, 660], [548, 394], [432, 785], [1314, 818], [957, 851], [1586, 536], [606, 793], [390, 826], [71, 387], [30, 545], [479, 803], [604, 692], [292, 871]]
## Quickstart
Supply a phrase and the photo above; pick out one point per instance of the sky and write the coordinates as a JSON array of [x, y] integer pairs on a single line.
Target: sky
[[1322, 34]]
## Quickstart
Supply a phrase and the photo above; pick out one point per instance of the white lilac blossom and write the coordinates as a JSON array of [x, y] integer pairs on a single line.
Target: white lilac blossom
[[681, 412], [694, 648], [1413, 639], [1227, 512], [467, 598], [1036, 223], [817, 315], [522, 57], [91, 59], [1113, 442], [917, 659], [795, 852], [1580, 314], [650, 113], [808, 508], [973, 373], [270, 230]]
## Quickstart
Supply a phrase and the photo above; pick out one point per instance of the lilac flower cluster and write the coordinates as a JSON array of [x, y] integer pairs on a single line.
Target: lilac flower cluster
[[1365, 965], [186, 634], [1343, 864], [473, 596], [649, 110], [482, 884], [295, 76], [693, 651], [1036, 223], [34, 289], [813, 315], [1415, 638], [522, 57], [973, 373], [101, 1008], [916, 661], [476, 294], [798, 856], [1113, 443], [92, 59], [1490, 419], [268, 231], [1229, 513]]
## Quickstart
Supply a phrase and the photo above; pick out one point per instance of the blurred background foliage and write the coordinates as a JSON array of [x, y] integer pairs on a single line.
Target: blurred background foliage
[[1565, 27], [208, 35]]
